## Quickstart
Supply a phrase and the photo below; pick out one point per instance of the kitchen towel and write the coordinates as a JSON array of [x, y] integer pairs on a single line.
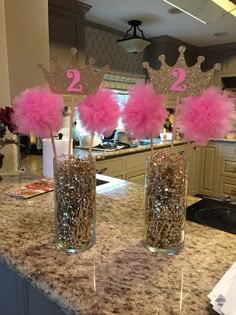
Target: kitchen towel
[[222, 296], [61, 148]]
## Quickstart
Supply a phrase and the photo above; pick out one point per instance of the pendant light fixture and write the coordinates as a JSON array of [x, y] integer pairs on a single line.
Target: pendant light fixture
[[134, 40]]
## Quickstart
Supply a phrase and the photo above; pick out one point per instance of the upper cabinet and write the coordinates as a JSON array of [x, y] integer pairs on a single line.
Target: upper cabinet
[[66, 27], [229, 67]]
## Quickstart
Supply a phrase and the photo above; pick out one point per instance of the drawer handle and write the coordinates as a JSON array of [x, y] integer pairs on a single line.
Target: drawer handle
[[103, 170], [181, 152]]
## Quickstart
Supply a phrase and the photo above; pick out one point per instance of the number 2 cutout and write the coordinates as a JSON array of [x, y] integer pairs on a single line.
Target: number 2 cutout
[[75, 76], [180, 75]]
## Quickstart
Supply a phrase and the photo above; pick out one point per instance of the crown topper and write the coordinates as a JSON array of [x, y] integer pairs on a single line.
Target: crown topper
[[73, 80], [180, 79]]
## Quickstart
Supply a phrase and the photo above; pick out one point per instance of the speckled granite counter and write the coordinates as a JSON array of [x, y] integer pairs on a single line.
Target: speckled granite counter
[[136, 149], [118, 275], [139, 149]]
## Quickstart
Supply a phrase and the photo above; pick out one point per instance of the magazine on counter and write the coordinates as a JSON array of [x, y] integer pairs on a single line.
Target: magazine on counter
[[32, 189]]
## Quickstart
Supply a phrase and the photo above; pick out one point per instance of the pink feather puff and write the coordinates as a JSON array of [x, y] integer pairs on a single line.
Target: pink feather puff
[[144, 114], [100, 112], [38, 111], [205, 117]]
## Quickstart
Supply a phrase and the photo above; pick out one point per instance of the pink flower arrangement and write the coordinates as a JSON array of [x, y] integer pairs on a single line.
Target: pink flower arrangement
[[144, 113], [207, 116], [100, 112], [38, 111]]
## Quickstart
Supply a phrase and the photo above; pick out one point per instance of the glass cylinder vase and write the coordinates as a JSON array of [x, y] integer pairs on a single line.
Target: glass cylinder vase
[[165, 203], [75, 203]]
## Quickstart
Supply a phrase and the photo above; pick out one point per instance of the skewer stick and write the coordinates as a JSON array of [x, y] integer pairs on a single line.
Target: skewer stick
[[72, 110], [174, 128], [53, 145]]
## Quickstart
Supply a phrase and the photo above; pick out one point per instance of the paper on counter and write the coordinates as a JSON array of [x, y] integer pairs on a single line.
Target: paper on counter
[[223, 295]]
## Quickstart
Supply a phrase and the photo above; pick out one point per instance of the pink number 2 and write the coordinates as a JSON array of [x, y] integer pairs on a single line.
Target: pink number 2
[[180, 75], [75, 76]]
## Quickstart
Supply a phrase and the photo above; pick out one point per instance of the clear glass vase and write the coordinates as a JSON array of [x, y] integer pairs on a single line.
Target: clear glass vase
[[165, 203], [75, 203]]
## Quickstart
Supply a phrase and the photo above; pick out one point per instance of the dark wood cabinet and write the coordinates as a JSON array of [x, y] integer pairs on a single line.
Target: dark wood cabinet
[[66, 26]]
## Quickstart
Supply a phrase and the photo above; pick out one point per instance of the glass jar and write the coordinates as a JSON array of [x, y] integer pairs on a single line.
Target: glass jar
[[75, 203], [165, 203]]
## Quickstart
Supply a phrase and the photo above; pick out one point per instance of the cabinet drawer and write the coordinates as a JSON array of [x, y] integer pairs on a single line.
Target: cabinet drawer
[[228, 167], [227, 186], [137, 177], [229, 149], [136, 161], [180, 150], [110, 166]]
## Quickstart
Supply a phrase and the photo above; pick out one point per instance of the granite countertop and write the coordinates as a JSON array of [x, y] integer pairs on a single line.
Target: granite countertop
[[117, 275], [100, 155], [126, 151]]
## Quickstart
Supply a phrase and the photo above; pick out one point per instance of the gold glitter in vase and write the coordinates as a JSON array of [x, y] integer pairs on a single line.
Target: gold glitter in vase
[[75, 203], [165, 203]]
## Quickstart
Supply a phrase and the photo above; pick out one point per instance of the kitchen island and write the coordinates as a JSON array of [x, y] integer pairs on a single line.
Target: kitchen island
[[117, 275]]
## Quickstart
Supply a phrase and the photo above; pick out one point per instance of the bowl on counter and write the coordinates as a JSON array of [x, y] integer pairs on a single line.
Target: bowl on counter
[[148, 141]]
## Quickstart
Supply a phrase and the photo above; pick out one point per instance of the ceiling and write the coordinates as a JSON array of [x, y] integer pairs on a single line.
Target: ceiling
[[158, 21]]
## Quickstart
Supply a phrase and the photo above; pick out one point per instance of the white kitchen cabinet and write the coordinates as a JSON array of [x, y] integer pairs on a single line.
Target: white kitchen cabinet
[[112, 167], [137, 177], [209, 172], [194, 170], [227, 166], [135, 167]]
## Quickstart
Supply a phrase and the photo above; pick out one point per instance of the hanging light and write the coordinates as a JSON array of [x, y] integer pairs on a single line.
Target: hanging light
[[134, 43]]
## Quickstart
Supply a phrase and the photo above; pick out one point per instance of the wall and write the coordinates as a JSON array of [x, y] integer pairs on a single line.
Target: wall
[[5, 99], [27, 42], [101, 43], [24, 43]]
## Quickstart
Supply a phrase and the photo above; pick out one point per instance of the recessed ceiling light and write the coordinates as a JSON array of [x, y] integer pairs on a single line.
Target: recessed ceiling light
[[175, 11], [221, 34]]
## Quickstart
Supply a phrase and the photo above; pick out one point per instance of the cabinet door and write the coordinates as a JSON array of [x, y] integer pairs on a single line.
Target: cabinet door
[[194, 171], [66, 28], [112, 167], [227, 187], [137, 177], [210, 170]]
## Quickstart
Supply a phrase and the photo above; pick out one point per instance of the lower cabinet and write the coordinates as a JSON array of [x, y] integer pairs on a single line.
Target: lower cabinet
[[18, 297], [227, 174], [209, 170], [212, 168], [112, 167], [137, 177], [194, 170]]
